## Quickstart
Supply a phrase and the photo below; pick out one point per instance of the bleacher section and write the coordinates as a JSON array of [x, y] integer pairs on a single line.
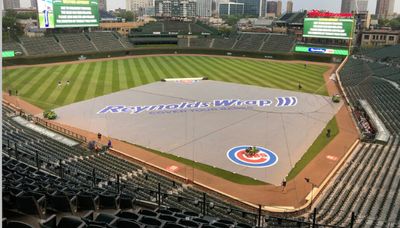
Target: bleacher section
[[175, 26], [225, 43], [278, 43], [105, 41], [75, 42], [74, 180], [200, 43], [110, 41], [41, 45], [250, 42]]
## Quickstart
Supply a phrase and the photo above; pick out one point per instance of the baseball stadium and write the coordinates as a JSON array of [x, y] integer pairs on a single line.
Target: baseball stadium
[[176, 124]]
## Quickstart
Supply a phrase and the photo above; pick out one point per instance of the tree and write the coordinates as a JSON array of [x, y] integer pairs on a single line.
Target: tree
[[127, 15]]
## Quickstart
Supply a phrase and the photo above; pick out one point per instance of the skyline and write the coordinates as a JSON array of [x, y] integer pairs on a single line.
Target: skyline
[[331, 5]]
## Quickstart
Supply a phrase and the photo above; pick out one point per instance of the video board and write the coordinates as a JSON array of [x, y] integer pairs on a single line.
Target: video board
[[330, 28], [68, 13]]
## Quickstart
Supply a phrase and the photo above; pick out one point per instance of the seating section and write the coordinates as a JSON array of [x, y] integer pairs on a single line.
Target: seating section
[[110, 41], [200, 43], [75, 42], [250, 42], [368, 185], [369, 182], [225, 43], [278, 43], [46, 45], [105, 41], [52, 177], [378, 84], [12, 46]]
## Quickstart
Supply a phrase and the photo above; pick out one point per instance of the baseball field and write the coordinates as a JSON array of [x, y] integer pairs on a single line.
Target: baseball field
[[62, 84], [39, 85]]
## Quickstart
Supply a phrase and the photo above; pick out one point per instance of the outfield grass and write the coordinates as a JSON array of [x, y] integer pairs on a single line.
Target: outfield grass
[[38, 85], [315, 148]]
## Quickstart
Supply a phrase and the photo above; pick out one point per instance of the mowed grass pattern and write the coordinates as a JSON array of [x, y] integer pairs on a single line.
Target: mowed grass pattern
[[38, 85]]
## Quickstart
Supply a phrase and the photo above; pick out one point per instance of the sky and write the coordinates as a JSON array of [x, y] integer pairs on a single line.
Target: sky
[[331, 5]]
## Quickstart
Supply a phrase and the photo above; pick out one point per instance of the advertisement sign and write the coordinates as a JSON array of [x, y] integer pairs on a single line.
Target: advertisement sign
[[68, 13], [322, 50]]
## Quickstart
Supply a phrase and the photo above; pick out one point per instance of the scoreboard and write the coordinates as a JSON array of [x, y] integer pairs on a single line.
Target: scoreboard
[[68, 13], [330, 28]]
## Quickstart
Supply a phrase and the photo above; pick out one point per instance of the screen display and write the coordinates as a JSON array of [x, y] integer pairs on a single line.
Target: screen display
[[8, 54], [68, 13], [322, 50], [331, 28]]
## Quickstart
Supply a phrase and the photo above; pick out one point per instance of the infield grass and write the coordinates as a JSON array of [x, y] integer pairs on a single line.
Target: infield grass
[[314, 149], [233, 177], [39, 85]]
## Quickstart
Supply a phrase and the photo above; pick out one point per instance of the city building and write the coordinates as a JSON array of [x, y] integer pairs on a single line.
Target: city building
[[362, 20], [253, 8], [384, 8], [34, 4], [289, 6], [103, 5], [279, 8], [204, 8], [137, 5], [231, 8], [376, 38], [349, 6], [175, 8], [187, 8], [272, 8], [11, 4]]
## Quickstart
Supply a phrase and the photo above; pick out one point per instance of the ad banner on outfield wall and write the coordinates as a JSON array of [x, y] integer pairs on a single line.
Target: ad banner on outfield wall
[[330, 28], [68, 13], [322, 50]]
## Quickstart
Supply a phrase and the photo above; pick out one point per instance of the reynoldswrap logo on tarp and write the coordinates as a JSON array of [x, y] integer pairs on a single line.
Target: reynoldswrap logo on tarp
[[215, 105]]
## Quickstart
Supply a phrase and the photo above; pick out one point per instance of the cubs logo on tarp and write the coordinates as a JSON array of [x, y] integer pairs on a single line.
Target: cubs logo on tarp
[[262, 159]]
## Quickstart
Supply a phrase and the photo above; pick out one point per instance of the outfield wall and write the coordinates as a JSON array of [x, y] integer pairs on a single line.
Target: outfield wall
[[32, 60]]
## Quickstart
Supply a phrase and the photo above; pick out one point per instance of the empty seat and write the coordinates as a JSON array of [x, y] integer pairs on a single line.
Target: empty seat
[[190, 213], [65, 222], [163, 211], [62, 203], [150, 221], [243, 225], [126, 201], [31, 203], [128, 215], [172, 225], [123, 223], [108, 201], [168, 218], [87, 201], [221, 225], [200, 220], [147, 213], [188, 223]]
